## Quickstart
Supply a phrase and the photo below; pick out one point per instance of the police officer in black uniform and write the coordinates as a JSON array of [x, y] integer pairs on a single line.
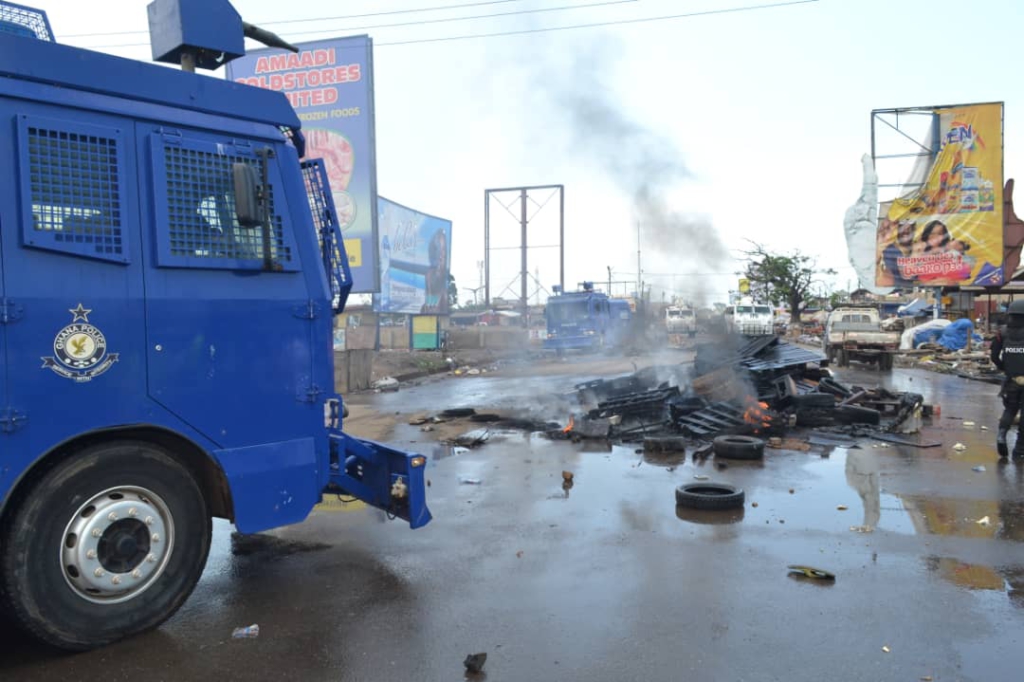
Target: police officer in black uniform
[[1007, 353]]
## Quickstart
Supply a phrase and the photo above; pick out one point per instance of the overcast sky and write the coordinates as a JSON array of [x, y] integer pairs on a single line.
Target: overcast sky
[[707, 130]]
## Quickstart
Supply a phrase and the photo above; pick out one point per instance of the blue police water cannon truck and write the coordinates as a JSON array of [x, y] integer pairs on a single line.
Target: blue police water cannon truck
[[170, 267]]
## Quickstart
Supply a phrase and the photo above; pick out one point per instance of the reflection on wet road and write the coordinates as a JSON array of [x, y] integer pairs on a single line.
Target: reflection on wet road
[[608, 579]]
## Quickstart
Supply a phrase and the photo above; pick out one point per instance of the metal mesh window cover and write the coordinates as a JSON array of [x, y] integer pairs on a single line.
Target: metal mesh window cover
[[195, 207], [25, 21], [73, 190], [332, 247]]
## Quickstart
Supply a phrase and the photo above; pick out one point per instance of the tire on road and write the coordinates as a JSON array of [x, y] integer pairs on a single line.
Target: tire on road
[[126, 510], [842, 358], [738, 447], [707, 495]]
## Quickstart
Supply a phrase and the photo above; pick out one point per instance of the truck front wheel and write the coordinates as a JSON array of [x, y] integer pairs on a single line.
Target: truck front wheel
[[107, 544]]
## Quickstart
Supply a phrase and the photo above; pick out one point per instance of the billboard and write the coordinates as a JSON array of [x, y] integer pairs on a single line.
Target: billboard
[[415, 252], [950, 231], [330, 85]]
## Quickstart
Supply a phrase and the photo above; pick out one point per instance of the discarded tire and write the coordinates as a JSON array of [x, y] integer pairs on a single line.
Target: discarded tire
[[709, 496], [739, 447]]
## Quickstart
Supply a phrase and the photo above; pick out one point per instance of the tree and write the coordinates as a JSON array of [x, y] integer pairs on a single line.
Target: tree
[[782, 278], [453, 292]]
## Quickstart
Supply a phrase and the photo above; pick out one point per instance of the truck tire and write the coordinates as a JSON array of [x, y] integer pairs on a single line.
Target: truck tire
[[105, 545], [842, 358], [709, 496], [738, 447], [885, 363]]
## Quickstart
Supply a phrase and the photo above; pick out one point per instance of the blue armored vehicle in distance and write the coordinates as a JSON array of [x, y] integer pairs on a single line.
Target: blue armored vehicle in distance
[[586, 319]]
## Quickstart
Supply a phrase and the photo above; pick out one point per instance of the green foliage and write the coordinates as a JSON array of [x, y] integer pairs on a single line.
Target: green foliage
[[782, 279]]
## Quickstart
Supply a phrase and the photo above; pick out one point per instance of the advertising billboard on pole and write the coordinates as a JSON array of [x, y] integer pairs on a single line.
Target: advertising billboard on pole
[[330, 85], [415, 252], [950, 231]]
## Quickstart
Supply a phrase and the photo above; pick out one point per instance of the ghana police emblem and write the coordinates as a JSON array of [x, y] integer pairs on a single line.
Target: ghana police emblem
[[80, 349]]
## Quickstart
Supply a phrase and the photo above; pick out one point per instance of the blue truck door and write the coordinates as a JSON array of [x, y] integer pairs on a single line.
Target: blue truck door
[[73, 288], [7, 209], [229, 346]]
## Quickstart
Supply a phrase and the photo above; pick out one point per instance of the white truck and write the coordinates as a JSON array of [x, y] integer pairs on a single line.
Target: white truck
[[750, 318], [680, 320], [856, 334]]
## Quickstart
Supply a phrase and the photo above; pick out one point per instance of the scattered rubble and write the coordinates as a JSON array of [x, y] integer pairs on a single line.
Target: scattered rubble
[[475, 663], [471, 439], [811, 572], [385, 384], [742, 386]]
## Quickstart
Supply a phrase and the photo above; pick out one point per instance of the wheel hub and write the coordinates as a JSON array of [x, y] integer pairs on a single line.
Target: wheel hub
[[117, 544]]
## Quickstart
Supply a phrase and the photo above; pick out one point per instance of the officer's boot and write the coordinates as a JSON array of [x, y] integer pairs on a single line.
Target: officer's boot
[[1001, 443], [1018, 447]]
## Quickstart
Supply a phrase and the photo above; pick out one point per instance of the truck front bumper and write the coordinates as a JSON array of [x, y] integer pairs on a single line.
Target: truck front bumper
[[380, 476]]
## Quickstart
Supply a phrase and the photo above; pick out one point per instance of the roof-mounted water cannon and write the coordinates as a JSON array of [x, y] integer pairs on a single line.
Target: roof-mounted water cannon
[[203, 34], [26, 22]]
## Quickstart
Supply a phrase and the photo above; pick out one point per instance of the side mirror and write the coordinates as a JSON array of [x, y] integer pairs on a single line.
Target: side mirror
[[248, 210]]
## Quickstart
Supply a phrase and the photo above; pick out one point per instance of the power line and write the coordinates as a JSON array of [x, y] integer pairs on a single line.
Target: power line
[[300, 21], [618, 22], [351, 29], [729, 10]]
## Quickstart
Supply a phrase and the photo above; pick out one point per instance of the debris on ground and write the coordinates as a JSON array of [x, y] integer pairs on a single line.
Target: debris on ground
[[978, 469], [470, 481], [983, 521], [471, 439], [567, 476], [475, 662], [842, 507], [959, 447], [886, 649], [249, 632], [811, 572], [385, 384], [740, 386]]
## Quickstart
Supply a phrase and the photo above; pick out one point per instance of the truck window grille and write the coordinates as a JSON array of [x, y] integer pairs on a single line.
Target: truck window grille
[[201, 209], [332, 248], [72, 180]]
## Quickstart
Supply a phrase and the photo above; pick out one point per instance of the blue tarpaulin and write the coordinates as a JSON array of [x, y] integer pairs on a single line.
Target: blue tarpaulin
[[954, 337]]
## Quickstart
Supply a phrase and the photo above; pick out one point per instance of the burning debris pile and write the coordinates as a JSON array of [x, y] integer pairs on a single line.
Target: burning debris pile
[[752, 386]]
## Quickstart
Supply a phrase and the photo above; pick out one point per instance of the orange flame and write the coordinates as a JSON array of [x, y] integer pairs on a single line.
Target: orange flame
[[572, 422], [757, 415]]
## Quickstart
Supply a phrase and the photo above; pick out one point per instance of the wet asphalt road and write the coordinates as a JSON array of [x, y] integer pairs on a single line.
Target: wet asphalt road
[[607, 581]]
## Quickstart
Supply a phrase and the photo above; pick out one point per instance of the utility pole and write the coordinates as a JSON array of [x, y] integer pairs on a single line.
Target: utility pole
[[524, 273], [639, 271], [609, 280]]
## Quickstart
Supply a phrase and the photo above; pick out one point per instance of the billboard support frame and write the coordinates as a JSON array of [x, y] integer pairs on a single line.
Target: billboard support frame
[[524, 221]]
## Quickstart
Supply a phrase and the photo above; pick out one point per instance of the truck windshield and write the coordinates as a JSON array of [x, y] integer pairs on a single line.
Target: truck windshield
[[762, 310], [675, 313], [685, 313], [566, 312], [744, 310]]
